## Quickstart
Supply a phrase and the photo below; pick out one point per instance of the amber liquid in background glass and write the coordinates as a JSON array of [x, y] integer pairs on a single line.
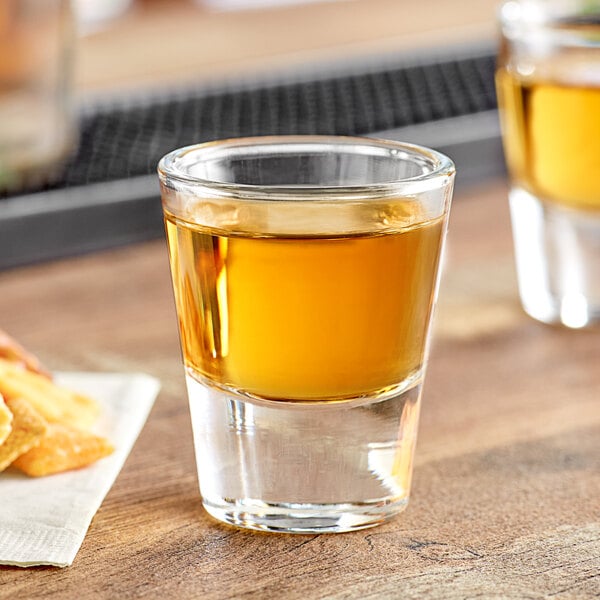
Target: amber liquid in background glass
[[552, 133], [304, 318]]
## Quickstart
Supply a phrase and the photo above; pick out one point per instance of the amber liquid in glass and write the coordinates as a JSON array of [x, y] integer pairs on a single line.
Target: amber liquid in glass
[[304, 318], [552, 137]]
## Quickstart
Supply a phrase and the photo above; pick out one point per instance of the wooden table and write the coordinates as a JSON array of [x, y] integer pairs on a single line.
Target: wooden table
[[505, 502]]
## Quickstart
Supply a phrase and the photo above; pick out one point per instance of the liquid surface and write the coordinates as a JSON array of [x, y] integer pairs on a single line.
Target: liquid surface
[[552, 137], [304, 318]]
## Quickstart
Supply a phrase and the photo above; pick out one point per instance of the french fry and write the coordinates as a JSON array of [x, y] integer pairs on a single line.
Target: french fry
[[28, 429], [63, 448], [11, 350], [42, 425], [6, 419], [55, 403]]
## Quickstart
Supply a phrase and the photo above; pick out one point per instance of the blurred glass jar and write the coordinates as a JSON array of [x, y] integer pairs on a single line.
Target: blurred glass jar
[[94, 14], [37, 119]]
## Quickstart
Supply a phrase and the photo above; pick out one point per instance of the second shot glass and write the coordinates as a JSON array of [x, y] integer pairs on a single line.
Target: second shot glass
[[548, 83]]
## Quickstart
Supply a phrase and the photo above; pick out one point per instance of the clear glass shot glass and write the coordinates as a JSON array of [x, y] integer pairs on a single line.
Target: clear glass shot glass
[[37, 118], [305, 273], [548, 83]]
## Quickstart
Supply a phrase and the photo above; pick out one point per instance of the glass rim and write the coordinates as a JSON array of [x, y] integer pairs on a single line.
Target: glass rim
[[442, 168]]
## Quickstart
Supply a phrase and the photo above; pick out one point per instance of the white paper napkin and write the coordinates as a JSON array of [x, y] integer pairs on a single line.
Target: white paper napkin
[[43, 520]]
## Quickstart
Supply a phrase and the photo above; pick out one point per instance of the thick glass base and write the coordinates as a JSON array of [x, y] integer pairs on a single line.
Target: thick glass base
[[558, 260], [304, 518], [303, 467]]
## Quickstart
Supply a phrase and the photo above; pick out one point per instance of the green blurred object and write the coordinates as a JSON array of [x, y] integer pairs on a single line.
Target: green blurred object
[[591, 7]]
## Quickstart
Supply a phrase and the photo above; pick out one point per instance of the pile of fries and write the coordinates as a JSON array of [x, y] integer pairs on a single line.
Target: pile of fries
[[44, 428]]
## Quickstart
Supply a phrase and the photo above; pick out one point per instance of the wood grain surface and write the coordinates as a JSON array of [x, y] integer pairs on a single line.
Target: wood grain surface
[[505, 502]]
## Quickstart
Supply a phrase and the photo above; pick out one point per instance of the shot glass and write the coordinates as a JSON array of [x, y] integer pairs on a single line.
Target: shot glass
[[305, 275], [548, 83], [38, 126]]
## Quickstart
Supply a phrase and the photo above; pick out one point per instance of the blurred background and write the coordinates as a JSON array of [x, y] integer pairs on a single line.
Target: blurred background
[[94, 92], [178, 40]]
